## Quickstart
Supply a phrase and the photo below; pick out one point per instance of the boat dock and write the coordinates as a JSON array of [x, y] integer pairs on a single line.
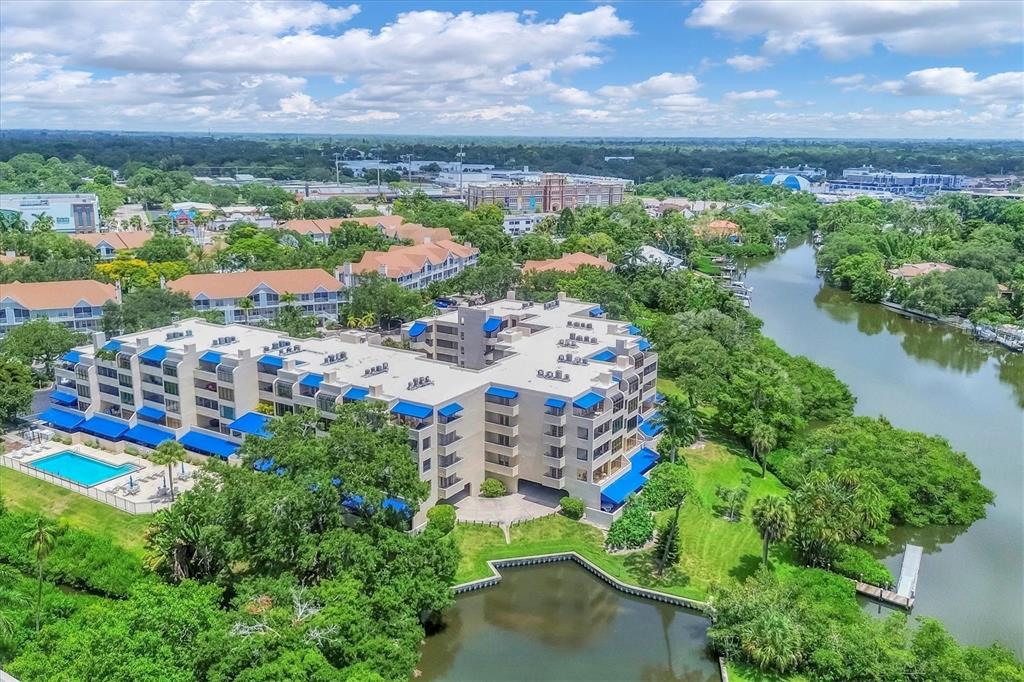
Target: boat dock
[[906, 588]]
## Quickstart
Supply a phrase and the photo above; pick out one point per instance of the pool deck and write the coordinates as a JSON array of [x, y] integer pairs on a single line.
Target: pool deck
[[148, 494]]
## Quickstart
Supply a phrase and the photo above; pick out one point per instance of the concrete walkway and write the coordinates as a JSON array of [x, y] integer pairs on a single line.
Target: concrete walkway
[[519, 506]]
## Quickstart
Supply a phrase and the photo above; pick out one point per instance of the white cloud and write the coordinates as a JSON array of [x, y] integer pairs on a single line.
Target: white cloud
[[300, 104], [371, 116], [494, 113], [748, 95], [662, 85], [841, 30], [955, 81], [852, 79], [746, 62], [574, 97]]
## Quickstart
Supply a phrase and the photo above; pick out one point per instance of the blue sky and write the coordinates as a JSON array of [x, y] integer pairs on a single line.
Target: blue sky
[[858, 68]]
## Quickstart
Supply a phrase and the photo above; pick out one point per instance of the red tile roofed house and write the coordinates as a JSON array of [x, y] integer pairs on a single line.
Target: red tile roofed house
[[76, 304], [909, 271], [413, 267], [394, 226], [719, 229], [107, 244], [569, 262], [315, 291]]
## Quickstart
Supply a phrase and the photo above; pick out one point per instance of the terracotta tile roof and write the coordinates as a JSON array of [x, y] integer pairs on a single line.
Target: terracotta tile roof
[[327, 225], [911, 270], [570, 262], [51, 295], [403, 260], [10, 260], [719, 228], [116, 240], [241, 284], [418, 234]]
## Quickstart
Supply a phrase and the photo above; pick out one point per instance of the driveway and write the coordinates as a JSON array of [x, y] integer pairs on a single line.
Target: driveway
[[530, 502]]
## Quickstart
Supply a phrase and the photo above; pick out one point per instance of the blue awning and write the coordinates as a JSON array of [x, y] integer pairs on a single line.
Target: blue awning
[[103, 427], [312, 380], [62, 419], [606, 355], [643, 461], [416, 329], [208, 445], [408, 409], [264, 464], [623, 487], [150, 436], [272, 361], [396, 505], [635, 330], [492, 324], [588, 400], [113, 346], [154, 354], [252, 422], [356, 393], [499, 392], [556, 403], [62, 398], [151, 413], [645, 344], [659, 397], [72, 356], [652, 426], [450, 410], [596, 312], [210, 356]]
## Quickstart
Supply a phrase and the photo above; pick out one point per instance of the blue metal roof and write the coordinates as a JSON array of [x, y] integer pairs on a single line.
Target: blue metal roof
[[596, 312], [643, 461], [312, 380], [113, 345], [208, 445], [252, 422], [499, 392], [62, 398], [211, 356], [450, 410], [62, 419], [356, 393], [408, 409], [492, 324], [645, 344], [151, 413], [104, 427], [72, 356], [557, 403], [154, 354], [606, 355], [623, 487], [416, 329], [150, 436], [588, 400], [272, 361]]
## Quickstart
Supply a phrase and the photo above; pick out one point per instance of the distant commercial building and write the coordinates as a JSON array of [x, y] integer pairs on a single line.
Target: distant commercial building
[[869, 178], [570, 262], [551, 193], [412, 267], [70, 212], [811, 173], [518, 224], [109, 244], [226, 216], [797, 183], [76, 304], [315, 291]]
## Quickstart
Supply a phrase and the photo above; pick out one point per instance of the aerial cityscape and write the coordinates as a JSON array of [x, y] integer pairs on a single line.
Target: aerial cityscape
[[493, 341]]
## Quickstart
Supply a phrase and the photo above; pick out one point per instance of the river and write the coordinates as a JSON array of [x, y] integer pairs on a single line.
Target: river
[[937, 380], [558, 622]]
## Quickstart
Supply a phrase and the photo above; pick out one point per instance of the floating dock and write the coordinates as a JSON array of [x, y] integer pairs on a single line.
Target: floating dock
[[906, 588]]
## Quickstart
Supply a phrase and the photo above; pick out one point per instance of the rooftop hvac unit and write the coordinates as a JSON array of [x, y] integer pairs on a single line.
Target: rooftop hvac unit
[[549, 375], [540, 373]]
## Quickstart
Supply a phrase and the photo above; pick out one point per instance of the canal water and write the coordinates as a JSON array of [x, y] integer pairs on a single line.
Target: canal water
[[937, 380], [557, 622]]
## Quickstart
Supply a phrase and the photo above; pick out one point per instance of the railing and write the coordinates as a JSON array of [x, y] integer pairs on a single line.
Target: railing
[[110, 499]]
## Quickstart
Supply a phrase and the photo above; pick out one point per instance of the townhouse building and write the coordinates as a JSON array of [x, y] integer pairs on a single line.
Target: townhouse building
[[77, 304], [109, 244], [412, 267], [547, 395], [319, 230], [313, 290]]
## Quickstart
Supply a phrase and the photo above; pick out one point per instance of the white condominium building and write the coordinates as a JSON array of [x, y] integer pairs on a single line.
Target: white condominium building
[[551, 395], [313, 290], [76, 304]]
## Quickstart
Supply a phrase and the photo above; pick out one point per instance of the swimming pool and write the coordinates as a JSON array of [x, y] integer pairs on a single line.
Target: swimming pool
[[83, 470]]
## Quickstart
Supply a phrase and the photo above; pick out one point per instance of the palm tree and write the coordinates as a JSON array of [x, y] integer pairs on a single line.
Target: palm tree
[[246, 305], [772, 640], [289, 297], [353, 320], [41, 538], [763, 439], [679, 418], [42, 223], [169, 453], [367, 320], [773, 519]]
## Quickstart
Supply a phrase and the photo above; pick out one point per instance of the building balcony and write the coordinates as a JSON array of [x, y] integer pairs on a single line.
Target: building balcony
[[511, 470], [510, 450], [551, 460], [555, 419], [498, 408], [557, 441], [502, 429], [448, 466], [450, 447], [557, 481], [446, 489]]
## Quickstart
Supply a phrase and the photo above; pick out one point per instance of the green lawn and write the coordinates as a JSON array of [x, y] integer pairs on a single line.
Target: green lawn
[[742, 672], [29, 494], [714, 550]]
